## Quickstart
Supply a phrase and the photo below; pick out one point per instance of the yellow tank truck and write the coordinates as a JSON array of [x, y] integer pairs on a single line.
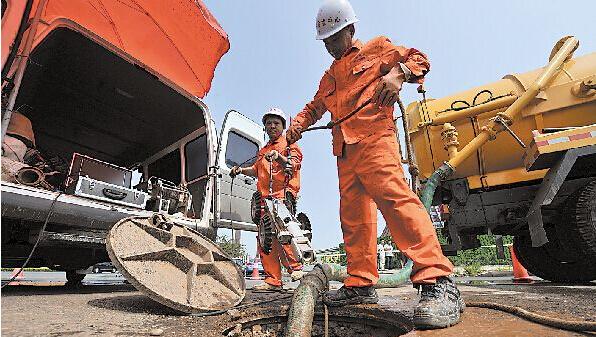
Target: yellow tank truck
[[516, 157]]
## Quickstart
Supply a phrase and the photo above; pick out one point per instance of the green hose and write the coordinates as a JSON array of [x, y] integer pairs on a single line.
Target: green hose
[[302, 310], [427, 194], [339, 273]]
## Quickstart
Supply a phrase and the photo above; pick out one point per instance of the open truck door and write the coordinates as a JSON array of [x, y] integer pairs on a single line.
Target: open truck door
[[239, 141]]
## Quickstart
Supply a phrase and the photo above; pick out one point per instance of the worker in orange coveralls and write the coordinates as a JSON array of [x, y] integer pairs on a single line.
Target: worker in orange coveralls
[[370, 75], [276, 151]]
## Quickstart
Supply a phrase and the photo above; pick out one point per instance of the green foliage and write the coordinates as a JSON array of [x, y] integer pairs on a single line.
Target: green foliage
[[483, 255], [473, 269], [231, 248], [344, 259], [471, 259], [385, 240]]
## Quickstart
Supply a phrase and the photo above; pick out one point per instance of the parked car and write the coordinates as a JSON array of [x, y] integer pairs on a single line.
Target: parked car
[[250, 265], [104, 267]]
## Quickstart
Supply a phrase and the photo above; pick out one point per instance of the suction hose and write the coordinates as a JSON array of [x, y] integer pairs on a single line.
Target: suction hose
[[302, 310], [304, 300], [428, 192]]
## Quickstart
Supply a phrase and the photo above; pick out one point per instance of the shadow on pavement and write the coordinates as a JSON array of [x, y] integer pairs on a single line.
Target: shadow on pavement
[[30, 290], [134, 304]]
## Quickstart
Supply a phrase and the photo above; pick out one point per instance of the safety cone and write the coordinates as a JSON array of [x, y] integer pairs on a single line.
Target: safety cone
[[520, 274], [20, 275], [255, 271]]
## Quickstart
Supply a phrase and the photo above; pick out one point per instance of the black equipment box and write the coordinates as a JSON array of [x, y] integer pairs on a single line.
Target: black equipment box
[[95, 179]]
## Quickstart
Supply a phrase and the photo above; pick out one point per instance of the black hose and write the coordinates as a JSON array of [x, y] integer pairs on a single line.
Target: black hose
[[536, 318], [252, 304], [43, 228], [331, 124]]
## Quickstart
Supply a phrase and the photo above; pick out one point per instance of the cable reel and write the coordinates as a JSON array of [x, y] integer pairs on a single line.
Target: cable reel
[[257, 207], [305, 224], [266, 232]]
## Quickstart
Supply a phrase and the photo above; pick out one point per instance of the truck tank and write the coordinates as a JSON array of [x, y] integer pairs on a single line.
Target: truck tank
[[516, 157], [502, 161]]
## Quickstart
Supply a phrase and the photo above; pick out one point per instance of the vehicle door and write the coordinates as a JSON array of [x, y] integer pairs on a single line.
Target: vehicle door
[[240, 140]]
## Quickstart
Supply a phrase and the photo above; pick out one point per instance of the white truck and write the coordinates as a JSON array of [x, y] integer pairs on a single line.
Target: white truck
[[129, 143]]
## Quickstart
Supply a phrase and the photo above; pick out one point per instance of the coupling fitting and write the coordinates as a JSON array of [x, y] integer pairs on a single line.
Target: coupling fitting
[[450, 142]]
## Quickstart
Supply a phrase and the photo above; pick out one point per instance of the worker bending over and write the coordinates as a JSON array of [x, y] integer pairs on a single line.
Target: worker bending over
[[369, 76], [285, 186]]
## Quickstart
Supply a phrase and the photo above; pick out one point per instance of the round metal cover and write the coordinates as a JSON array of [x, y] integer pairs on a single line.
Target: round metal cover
[[175, 265]]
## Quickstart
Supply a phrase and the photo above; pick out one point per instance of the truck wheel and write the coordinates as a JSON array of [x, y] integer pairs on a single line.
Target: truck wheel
[[551, 262], [579, 221], [73, 279]]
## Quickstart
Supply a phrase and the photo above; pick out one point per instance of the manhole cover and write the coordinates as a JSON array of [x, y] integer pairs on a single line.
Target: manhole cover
[[174, 265]]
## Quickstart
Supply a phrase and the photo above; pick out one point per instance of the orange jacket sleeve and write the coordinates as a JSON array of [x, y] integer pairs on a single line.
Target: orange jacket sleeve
[[314, 110], [412, 58], [296, 157]]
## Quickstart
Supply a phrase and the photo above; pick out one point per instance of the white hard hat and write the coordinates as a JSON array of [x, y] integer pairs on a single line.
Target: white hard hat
[[276, 112], [333, 16]]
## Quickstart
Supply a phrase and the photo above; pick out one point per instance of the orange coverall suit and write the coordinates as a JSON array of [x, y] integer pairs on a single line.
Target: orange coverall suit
[[271, 262], [368, 163]]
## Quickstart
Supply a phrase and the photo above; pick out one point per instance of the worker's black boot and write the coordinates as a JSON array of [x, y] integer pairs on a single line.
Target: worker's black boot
[[440, 305], [351, 295]]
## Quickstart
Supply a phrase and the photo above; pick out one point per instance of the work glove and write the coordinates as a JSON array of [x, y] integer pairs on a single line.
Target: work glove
[[387, 90], [294, 134], [272, 155], [236, 170]]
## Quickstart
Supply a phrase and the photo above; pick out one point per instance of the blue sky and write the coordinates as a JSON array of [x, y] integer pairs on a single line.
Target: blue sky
[[274, 60]]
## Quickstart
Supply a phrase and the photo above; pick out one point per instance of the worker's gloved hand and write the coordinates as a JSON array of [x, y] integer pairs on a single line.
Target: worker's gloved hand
[[272, 155], [388, 88], [294, 134], [236, 170]]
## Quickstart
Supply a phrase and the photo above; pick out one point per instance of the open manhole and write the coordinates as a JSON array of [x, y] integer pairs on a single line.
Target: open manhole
[[175, 265], [343, 322]]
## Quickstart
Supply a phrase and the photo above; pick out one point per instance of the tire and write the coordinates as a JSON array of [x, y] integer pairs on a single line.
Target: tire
[[73, 279], [552, 262], [578, 225]]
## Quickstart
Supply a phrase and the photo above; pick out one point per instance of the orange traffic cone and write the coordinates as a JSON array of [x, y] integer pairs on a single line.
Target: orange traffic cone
[[255, 271], [520, 274], [20, 275]]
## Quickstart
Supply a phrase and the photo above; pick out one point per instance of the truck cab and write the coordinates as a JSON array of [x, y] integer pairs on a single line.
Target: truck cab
[[113, 138]]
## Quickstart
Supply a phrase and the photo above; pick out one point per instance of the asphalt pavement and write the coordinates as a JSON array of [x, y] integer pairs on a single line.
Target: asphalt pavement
[[39, 305]]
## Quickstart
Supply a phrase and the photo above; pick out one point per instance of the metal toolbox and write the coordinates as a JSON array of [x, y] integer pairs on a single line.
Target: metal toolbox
[[95, 179], [99, 190]]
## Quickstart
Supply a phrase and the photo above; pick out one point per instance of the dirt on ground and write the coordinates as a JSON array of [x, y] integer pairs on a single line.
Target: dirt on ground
[[123, 311]]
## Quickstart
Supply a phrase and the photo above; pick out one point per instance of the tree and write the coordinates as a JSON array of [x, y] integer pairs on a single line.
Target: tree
[[233, 249]]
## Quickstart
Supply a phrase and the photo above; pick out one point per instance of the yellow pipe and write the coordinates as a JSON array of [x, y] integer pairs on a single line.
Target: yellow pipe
[[454, 116], [493, 127]]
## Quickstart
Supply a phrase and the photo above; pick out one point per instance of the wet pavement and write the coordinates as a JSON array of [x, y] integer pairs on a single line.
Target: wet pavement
[[105, 306]]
